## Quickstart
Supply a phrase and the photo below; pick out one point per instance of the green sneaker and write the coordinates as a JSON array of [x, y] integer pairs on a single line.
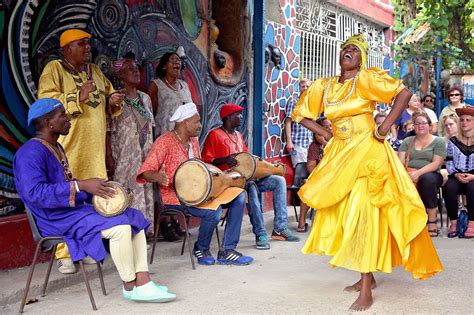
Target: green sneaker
[[262, 242], [148, 293], [284, 235]]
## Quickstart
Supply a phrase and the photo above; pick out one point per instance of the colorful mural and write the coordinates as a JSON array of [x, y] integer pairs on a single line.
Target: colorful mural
[[29, 32], [281, 85]]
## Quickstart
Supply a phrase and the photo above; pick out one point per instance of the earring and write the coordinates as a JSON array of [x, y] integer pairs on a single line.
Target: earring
[[50, 126]]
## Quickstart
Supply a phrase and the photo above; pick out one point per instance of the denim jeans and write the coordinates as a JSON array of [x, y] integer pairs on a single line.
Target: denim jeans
[[277, 185], [210, 219]]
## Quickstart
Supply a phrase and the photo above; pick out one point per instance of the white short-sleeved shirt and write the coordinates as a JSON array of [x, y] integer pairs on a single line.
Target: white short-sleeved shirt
[[431, 114]]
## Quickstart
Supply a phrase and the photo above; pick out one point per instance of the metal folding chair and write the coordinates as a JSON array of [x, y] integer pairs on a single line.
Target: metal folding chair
[[185, 216], [301, 173], [50, 243]]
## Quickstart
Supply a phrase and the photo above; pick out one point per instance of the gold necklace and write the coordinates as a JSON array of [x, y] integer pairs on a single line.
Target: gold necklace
[[326, 92]]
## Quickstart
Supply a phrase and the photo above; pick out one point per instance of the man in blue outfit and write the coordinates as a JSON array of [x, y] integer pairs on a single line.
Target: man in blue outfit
[[61, 206]]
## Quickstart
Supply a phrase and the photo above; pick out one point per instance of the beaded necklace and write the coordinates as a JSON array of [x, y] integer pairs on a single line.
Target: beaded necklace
[[351, 92]]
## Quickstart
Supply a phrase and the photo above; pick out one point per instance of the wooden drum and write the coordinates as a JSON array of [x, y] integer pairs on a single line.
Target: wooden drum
[[113, 206], [196, 182], [254, 167]]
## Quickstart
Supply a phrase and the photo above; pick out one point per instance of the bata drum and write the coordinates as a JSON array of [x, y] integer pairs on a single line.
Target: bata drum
[[196, 182], [113, 206], [254, 167]]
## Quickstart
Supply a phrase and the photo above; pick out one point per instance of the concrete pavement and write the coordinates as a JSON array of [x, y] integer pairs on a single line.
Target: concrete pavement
[[280, 280]]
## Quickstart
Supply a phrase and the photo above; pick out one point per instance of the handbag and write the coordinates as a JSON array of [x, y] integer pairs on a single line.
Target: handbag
[[407, 159]]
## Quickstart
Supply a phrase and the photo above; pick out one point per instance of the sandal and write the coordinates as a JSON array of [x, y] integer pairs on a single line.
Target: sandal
[[433, 232], [303, 229]]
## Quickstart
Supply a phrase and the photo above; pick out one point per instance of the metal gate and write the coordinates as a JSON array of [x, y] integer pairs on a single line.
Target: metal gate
[[323, 28]]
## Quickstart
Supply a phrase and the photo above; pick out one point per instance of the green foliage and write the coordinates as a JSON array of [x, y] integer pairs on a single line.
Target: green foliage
[[450, 20]]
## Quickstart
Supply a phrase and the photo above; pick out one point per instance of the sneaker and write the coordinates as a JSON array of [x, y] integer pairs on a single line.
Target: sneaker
[[89, 260], [262, 242], [160, 286], [148, 293], [204, 257], [66, 266], [284, 235], [233, 257]]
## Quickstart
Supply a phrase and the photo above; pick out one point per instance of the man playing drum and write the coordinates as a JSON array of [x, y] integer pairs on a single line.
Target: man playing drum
[[219, 149], [61, 206], [168, 152]]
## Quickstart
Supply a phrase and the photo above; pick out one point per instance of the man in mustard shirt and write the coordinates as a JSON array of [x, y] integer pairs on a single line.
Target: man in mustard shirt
[[88, 98]]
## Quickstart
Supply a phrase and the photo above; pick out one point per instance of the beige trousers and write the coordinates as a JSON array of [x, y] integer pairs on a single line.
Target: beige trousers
[[128, 252]]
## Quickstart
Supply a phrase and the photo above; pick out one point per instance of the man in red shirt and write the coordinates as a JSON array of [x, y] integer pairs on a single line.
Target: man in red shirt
[[220, 147], [169, 151]]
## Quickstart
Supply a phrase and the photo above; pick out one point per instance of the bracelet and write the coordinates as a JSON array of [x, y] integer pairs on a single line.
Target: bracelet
[[378, 135], [76, 186]]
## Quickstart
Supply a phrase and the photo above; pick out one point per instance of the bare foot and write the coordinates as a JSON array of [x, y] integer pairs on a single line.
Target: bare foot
[[356, 286], [363, 302]]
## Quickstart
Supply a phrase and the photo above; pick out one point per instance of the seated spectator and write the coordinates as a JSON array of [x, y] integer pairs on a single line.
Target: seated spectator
[[61, 206], [392, 135], [460, 166], [413, 105], [428, 102], [456, 100], [219, 149], [315, 154], [425, 153], [168, 152], [432, 116], [451, 125]]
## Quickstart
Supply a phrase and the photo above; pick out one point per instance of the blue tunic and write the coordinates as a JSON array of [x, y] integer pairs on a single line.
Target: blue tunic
[[58, 209]]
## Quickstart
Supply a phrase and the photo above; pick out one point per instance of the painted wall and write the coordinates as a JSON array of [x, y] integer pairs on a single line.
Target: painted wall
[[281, 85], [29, 32]]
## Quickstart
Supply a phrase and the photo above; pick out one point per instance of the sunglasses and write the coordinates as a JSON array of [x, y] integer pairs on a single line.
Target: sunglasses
[[428, 101], [454, 94]]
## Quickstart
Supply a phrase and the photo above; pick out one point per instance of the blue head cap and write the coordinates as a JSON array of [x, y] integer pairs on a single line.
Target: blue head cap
[[42, 107]]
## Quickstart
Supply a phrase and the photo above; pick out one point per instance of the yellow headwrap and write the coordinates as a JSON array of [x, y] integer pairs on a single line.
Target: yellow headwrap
[[71, 35], [359, 41]]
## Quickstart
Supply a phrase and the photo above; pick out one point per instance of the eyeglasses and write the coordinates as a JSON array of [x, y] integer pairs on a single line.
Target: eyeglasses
[[418, 124], [455, 94], [428, 101]]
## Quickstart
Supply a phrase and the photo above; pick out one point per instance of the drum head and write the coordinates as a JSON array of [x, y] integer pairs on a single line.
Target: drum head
[[246, 165], [192, 182], [112, 206]]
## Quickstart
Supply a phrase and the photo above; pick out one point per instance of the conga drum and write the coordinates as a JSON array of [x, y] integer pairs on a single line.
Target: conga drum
[[196, 182], [113, 206], [254, 167]]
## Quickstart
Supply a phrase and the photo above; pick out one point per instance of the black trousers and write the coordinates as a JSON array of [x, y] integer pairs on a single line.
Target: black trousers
[[452, 189], [428, 185]]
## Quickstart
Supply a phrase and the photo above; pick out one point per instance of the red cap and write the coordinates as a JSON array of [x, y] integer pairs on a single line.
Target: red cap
[[229, 109]]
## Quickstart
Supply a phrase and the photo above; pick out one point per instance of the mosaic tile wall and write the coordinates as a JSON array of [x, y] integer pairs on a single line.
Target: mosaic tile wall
[[281, 85]]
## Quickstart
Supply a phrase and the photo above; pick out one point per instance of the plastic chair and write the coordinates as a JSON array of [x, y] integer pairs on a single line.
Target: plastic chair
[[301, 173], [46, 244]]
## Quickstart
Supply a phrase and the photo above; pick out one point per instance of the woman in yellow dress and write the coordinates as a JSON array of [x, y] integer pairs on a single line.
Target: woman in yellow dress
[[370, 217]]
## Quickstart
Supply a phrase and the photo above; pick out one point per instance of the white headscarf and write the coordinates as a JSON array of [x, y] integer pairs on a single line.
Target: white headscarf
[[183, 112]]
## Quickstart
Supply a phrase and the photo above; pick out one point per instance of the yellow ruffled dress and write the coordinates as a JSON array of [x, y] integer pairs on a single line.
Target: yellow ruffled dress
[[369, 215]]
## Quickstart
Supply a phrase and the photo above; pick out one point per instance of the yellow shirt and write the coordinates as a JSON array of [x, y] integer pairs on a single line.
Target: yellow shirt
[[85, 143]]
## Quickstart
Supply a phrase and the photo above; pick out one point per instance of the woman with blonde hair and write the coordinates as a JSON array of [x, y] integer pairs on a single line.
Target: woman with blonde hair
[[456, 98]]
